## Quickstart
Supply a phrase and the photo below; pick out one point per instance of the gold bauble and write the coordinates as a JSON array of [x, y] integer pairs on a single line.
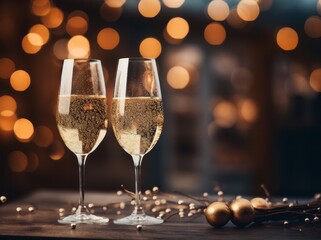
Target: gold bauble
[[259, 203], [242, 212], [217, 214]]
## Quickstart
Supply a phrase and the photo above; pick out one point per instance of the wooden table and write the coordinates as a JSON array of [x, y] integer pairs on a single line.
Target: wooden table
[[42, 223]]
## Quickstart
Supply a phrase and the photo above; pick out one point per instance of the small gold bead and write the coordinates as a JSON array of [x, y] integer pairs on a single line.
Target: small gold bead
[[61, 210], [3, 199], [119, 193], [19, 209], [155, 189], [205, 194], [31, 209], [73, 226], [139, 227]]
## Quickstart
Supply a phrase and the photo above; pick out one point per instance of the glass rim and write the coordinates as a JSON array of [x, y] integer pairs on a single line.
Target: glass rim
[[82, 59], [136, 59]]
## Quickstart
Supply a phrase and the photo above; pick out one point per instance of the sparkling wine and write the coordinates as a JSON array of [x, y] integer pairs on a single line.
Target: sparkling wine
[[82, 121], [137, 123]]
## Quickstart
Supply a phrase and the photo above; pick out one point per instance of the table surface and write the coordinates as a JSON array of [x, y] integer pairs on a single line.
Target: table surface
[[42, 223]]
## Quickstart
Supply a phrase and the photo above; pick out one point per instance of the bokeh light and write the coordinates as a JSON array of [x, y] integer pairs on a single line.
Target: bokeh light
[[287, 38], [7, 67], [23, 129], [60, 49], [53, 19], [27, 46], [108, 38], [41, 31], [35, 39], [312, 26], [7, 122], [215, 33], [319, 6], [173, 4], [315, 80], [110, 14], [150, 48], [57, 150], [43, 136], [149, 8], [218, 10], [248, 110], [177, 28], [178, 77], [20, 80], [115, 3], [76, 25], [234, 19], [225, 114], [18, 161], [33, 162], [248, 10], [78, 47], [8, 106], [40, 7], [265, 4]]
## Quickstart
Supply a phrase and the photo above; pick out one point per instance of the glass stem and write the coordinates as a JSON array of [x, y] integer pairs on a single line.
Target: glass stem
[[137, 163], [81, 163]]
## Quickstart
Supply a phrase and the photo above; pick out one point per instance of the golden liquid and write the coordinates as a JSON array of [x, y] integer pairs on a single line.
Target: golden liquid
[[82, 122], [137, 123]]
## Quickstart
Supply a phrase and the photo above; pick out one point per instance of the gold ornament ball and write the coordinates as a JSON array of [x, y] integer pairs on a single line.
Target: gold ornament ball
[[217, 214], [242, 212], [259, 203]]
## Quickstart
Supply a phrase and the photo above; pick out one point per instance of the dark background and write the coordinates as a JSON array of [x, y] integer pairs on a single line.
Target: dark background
[[280, 147]]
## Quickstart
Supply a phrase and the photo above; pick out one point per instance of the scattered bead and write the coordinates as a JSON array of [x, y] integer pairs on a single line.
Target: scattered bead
[[157, 202], [104, 208], [145, 198], [139, 227], [19, 209], [122, 205], [316, 219], [61, 214], [190, 214], [220, 193], [73, 226], [291, 205], [285, 200], [319, 209], [154, 209], [181, 214], [148, 192], [192, 206], [61, 210], [118, 212], [317, 196], [132, 202], [180, 202], [31, 209], [181, 210], [168, 210], [91, 205], [307, 220], [205, 194], [119, 193], [154, 198], [3, 199], [74, 209], [285, 223], [155, 189], [163, 201]]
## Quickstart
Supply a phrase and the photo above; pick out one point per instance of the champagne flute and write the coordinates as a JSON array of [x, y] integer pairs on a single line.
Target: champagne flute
[[137, 120], [82, 121]]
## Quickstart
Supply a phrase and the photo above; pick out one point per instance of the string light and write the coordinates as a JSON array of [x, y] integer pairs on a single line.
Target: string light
[[78, 47], [149, 8], [248, 10], [218, 10], [108, 38], [173, 4], [8, 106], [287, 38], [178, 77], [20, 80], [215, 34], [150, 48], [177, 28]]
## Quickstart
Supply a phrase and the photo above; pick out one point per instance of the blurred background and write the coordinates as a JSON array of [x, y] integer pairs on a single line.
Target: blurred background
[[241, 83]]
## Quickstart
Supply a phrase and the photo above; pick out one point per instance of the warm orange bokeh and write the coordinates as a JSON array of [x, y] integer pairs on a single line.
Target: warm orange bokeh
[[178, 77], [218, 10], [149, 8], [20, 80], [215, 33], [108, 38], [150, 48], [287, 38]]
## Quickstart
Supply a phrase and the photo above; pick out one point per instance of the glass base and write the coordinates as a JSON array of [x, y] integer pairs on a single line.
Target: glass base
[[138, 219], [83, 218]]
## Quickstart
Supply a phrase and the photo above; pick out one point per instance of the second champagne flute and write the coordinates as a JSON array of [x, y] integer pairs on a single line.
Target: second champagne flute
[[137, 120]]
